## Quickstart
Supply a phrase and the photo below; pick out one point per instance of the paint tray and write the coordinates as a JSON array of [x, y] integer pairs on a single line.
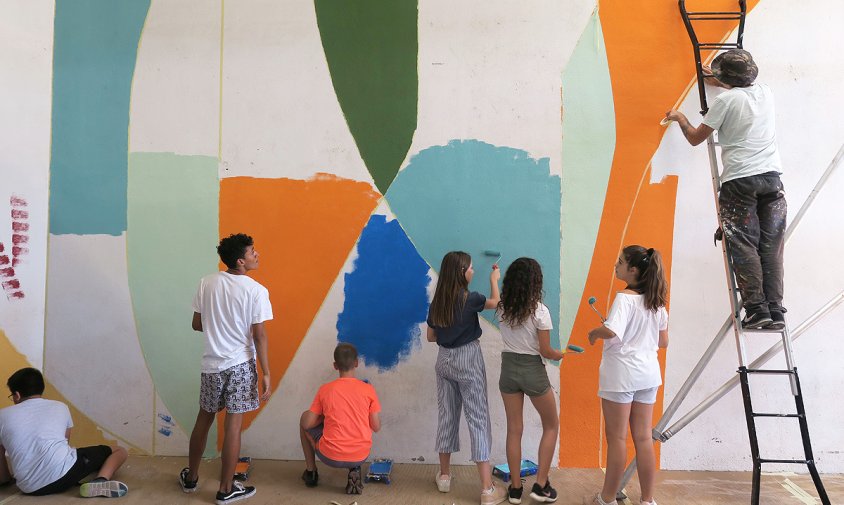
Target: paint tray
[[503, 471], [379, 470], [241, 470]]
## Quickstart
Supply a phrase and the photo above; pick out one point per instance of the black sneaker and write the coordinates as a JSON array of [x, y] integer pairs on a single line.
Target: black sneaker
[[237, 493], [311, 477], [514, 495], [543, 494], [354, 485], [188, 486], [778, 319], [756, 320]]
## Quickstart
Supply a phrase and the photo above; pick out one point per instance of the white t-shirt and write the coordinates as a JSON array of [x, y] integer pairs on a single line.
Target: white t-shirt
[[629, 361], [230, 304], [33, 433], [745, 120], [523, 339]]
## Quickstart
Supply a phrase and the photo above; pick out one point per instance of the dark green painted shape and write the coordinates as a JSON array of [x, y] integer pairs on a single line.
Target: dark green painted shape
[[371, 47]]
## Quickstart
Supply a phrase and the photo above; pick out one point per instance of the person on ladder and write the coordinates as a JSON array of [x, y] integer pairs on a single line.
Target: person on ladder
[[752, 198]]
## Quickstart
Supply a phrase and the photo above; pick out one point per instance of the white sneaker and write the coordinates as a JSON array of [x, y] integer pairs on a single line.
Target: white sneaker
[[443, 482], [493, 496], [595, 499], [643, 502]]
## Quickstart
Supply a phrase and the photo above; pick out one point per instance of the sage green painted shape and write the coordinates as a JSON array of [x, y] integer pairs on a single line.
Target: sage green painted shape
[[371, 47], [588, 148], [172, 232]]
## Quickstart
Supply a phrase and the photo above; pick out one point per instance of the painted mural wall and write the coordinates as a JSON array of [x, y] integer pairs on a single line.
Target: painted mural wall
[[358, 145]]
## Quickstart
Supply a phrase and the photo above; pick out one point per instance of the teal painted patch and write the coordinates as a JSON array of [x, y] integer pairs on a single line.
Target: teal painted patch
[[473, 196], [371, 47], [95, 48], [588, 147], [171, 239]]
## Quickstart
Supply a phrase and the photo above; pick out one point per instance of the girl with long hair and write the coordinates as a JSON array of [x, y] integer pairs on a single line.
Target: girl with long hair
[[636, 327], [461, 375], [525, 325]]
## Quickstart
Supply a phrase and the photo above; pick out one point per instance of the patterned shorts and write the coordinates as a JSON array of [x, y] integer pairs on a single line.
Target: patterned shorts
[[234, 389]]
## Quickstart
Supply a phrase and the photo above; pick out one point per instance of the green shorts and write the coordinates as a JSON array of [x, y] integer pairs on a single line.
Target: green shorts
[[523, 373]]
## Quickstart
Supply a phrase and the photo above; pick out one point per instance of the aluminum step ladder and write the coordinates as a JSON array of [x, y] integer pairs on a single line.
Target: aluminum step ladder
[[744, 371]]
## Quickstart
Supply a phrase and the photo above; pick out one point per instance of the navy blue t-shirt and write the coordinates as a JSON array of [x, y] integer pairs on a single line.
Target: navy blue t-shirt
[[466, 326]]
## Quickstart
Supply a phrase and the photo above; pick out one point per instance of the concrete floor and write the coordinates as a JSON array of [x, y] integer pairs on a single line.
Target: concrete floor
[[155, 480]]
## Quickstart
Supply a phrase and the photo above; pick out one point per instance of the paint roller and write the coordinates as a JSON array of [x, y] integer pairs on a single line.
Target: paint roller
[[592, 301], [571, 348], [489, 252]]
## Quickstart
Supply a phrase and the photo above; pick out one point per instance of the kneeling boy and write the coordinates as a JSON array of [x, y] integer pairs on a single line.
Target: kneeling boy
[[35, 432], [339, 425]]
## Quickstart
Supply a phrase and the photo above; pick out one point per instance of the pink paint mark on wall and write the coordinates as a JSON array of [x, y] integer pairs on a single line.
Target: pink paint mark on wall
[[20, 229]]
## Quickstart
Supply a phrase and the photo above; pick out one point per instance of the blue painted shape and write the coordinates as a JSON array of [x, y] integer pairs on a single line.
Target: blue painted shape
[[473, 196], [386, 295], [95, 48], [165, 431]]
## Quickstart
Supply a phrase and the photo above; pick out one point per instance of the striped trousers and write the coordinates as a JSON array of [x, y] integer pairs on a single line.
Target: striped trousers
[[461, 383]]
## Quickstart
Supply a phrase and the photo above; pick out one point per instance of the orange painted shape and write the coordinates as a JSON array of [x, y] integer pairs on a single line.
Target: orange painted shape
[[651, 63], [85, 431], [303, 232]]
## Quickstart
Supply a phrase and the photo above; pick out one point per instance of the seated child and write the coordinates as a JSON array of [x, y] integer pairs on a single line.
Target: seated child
[[35, 431], [338, 427]]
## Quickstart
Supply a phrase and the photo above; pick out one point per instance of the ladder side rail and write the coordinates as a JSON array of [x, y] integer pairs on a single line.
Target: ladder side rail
[[807, 443], [751, 435]]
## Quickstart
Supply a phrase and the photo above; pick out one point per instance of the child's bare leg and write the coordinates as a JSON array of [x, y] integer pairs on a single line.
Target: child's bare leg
[[112, 463], [546, 406], [231, 450], [513, 408], [485, 472], [641, 416], [445, 463], [308, 447], [616, 419], [198, 439]]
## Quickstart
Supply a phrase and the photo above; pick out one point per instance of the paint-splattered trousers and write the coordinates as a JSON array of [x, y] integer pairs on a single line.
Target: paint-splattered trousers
[[753, 212], [461, 383]]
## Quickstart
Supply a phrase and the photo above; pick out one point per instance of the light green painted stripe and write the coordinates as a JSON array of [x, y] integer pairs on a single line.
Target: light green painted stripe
[[588, 147], [173, 230]]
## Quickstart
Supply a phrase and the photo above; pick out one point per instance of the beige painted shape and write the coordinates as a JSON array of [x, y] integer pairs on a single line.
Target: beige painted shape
[[26, 66], [492, 71], [281, 117], [175, 99], [92, 351]]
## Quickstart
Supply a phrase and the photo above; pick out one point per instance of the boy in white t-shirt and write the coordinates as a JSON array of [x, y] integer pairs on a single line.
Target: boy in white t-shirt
[[35, 432], [230, 308], [752, 198]]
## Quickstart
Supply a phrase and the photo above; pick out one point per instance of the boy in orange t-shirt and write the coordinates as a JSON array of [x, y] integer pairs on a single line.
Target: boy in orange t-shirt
[[339, 425]]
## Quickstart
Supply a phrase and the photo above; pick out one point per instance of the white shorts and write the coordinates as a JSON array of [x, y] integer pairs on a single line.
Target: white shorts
[[647, 396]]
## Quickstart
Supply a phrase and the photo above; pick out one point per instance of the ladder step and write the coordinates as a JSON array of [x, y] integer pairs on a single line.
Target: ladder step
[[763, 330], [713, 18], [761, 414], [717, 45], [794, 461], [770, 372]]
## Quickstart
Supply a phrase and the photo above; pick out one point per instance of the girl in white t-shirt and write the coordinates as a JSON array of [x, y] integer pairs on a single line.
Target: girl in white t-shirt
[[636, 327], [525, 325]]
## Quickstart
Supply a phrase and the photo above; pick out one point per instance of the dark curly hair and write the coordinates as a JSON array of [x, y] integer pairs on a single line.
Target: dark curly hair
[[521, 291], [233, 248]]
